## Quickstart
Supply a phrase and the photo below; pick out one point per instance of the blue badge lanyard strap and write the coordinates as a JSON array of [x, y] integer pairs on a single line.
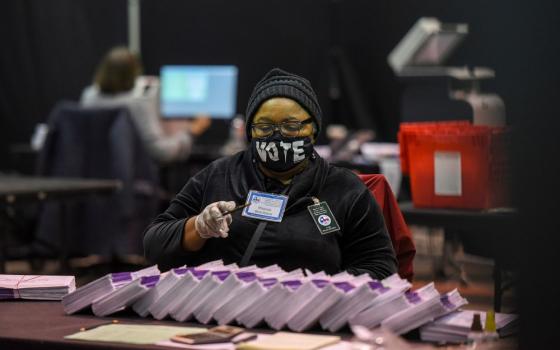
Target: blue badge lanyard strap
[[255, 239]]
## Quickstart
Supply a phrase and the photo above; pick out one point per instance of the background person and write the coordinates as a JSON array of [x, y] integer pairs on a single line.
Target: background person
[[117, 83]]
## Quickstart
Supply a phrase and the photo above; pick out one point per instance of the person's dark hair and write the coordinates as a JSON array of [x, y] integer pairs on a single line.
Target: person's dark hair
[[117, 71]]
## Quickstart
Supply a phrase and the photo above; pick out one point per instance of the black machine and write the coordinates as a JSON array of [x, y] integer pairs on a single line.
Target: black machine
[[434, 92]]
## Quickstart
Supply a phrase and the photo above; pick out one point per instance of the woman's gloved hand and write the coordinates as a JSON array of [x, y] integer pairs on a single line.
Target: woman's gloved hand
[[211, 222]]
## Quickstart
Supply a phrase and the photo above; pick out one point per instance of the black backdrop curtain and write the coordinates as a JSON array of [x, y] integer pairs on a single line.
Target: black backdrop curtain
[[50, 48], [49, 51]]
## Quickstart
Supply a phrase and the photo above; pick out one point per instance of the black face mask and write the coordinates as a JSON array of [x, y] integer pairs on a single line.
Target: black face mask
[[279, 153]]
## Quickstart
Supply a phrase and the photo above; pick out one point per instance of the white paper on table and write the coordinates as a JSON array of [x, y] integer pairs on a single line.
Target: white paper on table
[[35, 281]]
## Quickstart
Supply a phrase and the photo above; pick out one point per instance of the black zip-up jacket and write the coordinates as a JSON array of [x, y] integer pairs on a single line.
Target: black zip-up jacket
[[361, 246]]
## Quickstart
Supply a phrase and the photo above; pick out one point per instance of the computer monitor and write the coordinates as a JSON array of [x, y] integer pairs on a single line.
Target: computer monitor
[[187, 91]]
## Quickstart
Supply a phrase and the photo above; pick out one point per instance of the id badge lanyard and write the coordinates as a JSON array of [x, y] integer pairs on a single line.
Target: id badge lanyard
[[256, 237]]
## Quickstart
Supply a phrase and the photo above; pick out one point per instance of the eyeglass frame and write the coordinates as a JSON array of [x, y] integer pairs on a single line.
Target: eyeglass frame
[[278, 126]]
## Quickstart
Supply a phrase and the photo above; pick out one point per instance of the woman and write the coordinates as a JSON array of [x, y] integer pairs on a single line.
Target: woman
[[283, 121], [116, 83]]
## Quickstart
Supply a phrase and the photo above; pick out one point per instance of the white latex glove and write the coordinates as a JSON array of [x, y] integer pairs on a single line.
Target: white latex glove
[[211, 222]]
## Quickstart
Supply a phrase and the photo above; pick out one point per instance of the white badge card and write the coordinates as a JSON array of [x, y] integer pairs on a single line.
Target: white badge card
[[265, 206]]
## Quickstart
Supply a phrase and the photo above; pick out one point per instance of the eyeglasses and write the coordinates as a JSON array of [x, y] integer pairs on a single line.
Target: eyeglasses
[[287, 129]]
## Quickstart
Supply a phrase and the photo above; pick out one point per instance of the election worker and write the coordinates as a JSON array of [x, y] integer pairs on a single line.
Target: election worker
[[118, 83], [301, 212]]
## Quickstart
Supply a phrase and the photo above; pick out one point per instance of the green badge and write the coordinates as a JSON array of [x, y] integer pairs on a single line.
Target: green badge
[[323, 217]]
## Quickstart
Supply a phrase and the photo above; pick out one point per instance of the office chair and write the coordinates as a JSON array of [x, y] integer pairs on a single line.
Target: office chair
[[99, 143], [398, 230]]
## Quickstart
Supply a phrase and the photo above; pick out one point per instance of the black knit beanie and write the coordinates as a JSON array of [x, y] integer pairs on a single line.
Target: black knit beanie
[[279, 83]]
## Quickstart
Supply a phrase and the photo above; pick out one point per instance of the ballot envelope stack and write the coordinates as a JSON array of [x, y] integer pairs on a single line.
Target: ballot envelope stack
[[455, 326], [85, 296], [120, 298], [35, 287], [251, 296], [158, 300]]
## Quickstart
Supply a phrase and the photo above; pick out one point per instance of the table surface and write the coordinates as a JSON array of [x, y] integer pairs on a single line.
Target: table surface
[[39, 188], [30, 324], [43, 324], [458, 218]]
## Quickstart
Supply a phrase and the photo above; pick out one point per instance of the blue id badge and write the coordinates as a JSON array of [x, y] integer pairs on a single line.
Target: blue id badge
[[265, 206]]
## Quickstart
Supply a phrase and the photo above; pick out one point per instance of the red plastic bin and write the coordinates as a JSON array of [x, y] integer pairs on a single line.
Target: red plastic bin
[[456, 164], [407, 129]]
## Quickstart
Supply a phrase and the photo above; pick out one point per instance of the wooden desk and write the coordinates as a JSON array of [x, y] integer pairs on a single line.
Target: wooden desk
[[43, 325], [16, 190], [500, 222], [26, 188]]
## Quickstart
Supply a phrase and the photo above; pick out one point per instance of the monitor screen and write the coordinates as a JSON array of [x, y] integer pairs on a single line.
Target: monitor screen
[[187, 91]]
